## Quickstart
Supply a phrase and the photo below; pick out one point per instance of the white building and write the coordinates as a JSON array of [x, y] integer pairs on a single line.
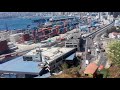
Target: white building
[[117, 23], [4, 35], [53, 56], [112, 35], [118, 36], [16, 37]]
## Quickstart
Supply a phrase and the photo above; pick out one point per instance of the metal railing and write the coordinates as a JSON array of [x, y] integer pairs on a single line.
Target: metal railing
[[102, 29]]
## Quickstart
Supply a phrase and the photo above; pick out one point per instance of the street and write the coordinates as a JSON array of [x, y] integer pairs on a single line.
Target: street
[[96, 57]]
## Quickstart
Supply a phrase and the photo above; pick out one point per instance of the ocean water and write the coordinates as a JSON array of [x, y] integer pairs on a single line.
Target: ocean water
[[17, 23]]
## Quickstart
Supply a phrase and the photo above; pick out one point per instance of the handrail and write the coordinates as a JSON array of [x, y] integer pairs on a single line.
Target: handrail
[[99, 29]]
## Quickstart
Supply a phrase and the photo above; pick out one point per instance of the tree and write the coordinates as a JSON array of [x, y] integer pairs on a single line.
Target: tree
[[64, 66], [114, 52]]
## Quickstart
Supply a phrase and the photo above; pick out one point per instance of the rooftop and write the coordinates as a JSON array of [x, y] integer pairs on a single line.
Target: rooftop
[[17, 65], [73, 41], [91, 68], [52, 53], [16, 34]]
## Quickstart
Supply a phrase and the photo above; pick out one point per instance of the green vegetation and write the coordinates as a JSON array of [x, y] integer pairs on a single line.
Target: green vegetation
[[114, 52], [104, 72], [64, 66], [69, 73]]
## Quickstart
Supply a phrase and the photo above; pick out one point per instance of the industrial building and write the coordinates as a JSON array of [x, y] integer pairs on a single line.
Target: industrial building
[[74, 41], [53, 56], [31, 64]]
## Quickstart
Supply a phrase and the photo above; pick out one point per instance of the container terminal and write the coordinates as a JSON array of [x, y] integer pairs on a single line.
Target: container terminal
[[23, 53]]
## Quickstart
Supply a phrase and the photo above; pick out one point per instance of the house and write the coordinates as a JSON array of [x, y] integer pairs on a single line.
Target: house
[[113, 35], [118, 36], [101, 67], [91, 70]]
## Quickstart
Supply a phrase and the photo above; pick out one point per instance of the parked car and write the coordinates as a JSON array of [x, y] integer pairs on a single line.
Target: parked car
[[102, 50], [98, 50]]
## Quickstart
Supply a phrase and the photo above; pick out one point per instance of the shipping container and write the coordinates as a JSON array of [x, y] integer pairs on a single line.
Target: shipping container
[[3, 46], [26, 37]]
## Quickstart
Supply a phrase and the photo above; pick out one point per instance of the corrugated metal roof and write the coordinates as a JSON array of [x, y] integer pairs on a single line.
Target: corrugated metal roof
[[19, 66], [44, 76]]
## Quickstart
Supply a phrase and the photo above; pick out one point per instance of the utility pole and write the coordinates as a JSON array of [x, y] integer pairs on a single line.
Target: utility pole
[[86, 49], [40, 53]]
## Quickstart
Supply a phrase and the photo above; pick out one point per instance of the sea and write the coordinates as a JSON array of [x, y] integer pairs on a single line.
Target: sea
[[19, 23]]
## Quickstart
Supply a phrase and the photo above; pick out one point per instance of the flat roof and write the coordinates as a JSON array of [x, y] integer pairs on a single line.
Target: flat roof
[[17, 65], [52, 53], [16, 34], [73, 41]]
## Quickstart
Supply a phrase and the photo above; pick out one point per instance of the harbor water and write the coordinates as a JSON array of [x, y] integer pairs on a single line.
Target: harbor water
[[18, 23]]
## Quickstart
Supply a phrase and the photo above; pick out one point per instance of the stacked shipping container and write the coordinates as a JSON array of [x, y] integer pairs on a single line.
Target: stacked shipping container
[[3, 47], [26, 37]]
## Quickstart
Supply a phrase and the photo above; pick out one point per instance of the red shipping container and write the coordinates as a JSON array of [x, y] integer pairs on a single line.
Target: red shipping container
[[3, 46], [26, 37]]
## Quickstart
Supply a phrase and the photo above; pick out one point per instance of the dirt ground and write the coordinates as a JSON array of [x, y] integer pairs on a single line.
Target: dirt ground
[[114, 72]]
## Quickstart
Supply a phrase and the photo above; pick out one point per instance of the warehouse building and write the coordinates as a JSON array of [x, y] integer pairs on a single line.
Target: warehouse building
[[30, 64], [74, 41]]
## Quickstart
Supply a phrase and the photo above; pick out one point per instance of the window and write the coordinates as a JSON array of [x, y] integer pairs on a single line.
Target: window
[[25, 58], [68, 43], [75, 45], [58, 60]]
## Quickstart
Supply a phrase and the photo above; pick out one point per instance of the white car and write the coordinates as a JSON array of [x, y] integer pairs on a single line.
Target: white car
[[86, 62], [97, 49], [89, 50]]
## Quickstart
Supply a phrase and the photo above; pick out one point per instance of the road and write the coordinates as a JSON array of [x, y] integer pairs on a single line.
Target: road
[[89, 44]]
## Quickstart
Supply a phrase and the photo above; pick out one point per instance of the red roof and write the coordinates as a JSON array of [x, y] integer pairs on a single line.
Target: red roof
[[101, 67], [91, 68]]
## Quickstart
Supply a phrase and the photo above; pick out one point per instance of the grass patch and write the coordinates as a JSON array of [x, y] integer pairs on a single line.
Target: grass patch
[[104, 72]]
